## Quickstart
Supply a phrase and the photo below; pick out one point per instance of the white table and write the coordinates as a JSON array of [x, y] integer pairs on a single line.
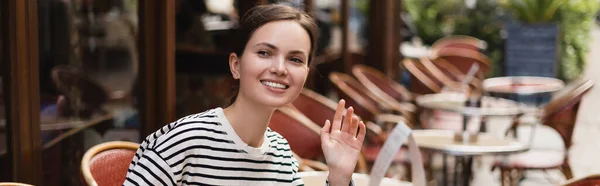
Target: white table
[[317, 178]]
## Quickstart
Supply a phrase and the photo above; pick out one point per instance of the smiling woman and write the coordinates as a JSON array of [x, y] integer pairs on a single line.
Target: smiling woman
[[234, 145]]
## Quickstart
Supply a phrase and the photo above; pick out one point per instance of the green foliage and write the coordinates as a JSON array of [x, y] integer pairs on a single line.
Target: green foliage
[[434, 19], [534, 11], [576, 20]]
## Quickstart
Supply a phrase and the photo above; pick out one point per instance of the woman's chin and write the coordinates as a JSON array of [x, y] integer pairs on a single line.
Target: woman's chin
[[276, 102]]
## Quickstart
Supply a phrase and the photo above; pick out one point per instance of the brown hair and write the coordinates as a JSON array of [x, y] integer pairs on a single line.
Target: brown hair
[[260, 15]]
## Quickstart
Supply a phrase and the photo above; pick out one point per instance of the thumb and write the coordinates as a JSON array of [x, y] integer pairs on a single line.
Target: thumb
[[325, 131]]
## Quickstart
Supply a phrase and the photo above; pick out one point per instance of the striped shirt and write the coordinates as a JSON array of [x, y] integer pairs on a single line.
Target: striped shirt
[[203, 149]]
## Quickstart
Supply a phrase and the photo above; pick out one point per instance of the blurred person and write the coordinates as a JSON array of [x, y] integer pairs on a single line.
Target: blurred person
[[234, 145]]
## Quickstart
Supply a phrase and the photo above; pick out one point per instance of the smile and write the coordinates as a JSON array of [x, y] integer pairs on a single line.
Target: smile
[[274, 85]]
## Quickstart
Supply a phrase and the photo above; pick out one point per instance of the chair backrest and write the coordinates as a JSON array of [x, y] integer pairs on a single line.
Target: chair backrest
[[463, 59], [436, 72], [460, 41], [561, 113], [421, 81], [381, 85], [448, 69], [13, 184], [107, 163], [593, 179], [356, 95], [316, 107], [302, 134]]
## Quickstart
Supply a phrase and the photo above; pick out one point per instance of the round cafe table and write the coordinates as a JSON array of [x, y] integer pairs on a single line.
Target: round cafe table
[[522, 86], [443, 141], [318, 178], [467, 145]]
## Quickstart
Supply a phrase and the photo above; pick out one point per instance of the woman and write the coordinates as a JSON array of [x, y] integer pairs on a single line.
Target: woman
[[234, 146]]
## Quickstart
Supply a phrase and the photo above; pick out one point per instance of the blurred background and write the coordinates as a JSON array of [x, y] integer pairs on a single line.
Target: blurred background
[[78, 73]]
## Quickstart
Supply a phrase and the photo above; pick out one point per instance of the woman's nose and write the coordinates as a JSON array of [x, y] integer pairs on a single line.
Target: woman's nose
[[278, 67]]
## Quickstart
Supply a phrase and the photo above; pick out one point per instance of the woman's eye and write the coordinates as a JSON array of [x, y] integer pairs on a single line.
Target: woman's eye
[[297, 60], [263, 53]]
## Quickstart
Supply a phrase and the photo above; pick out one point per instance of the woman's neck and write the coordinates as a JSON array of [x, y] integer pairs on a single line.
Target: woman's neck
[[249, 120]]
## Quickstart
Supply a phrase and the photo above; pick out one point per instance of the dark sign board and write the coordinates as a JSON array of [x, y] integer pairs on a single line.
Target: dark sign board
[[531, 50]]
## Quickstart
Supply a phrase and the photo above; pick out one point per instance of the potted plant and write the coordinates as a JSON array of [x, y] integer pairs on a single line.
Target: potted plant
[[568, 21], [533, 37]]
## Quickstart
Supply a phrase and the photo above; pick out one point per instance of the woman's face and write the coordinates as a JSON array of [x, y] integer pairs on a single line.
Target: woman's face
[[274, 66]]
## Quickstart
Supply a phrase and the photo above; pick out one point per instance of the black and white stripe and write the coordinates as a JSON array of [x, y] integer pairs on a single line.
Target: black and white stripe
[[203, 149]]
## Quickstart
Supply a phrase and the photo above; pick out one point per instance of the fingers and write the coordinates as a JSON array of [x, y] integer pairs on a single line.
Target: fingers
[[348, 119], [337, 118], [325, 131], [354, 126], [362, 130]]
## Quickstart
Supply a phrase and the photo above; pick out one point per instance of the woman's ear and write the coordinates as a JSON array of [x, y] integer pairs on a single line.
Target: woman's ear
[[234, 65]]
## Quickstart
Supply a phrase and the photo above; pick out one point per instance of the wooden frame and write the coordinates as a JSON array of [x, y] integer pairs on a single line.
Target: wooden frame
[[345, 25], [156, 84], [384, 36], [87, 157], [20, 24], [157, 56]]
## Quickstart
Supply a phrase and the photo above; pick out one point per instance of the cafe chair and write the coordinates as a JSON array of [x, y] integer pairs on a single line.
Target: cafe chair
[[453, 72], [593, 179], [460, 41], [381, 85], [463, 59], [561, 116], [384, 88], [422, 81], [320, 108], [303, 136], [365, 104], [13, 184], [107, 163]]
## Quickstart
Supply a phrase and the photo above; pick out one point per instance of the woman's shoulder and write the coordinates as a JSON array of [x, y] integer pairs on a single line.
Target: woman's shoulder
[[276, 138], [215, 113], [207, 120]]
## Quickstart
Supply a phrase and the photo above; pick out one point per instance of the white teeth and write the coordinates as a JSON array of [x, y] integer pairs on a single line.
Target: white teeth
[[274, 85]]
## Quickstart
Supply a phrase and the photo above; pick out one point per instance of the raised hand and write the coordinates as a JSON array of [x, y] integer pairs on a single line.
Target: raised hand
[[341, 142]]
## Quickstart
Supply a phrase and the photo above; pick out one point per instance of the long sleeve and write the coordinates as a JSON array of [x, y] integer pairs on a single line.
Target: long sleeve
[[149, 169]]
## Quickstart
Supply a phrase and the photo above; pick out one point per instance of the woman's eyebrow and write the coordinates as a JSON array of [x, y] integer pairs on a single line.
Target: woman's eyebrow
[[297, 52], [267, 45], [273, 47]]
